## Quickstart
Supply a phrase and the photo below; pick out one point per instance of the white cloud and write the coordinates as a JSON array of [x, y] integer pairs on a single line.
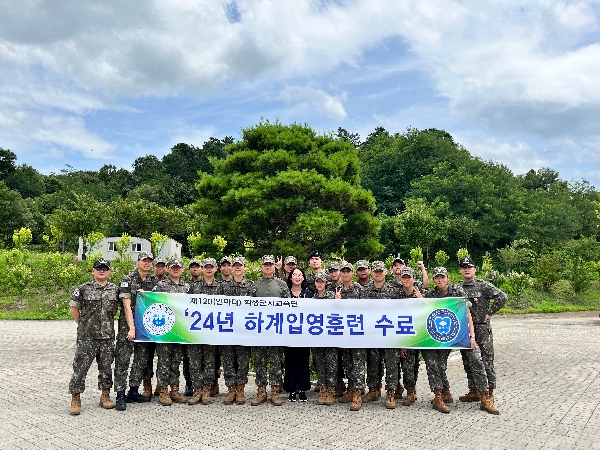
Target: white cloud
[[192, 135], [306, 97]]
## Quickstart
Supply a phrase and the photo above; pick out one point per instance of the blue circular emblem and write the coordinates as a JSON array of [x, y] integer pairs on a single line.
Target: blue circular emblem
[[158, 319], [443, 325]]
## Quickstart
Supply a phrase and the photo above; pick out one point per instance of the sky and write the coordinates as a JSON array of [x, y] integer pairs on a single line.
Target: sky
[[86, 83]]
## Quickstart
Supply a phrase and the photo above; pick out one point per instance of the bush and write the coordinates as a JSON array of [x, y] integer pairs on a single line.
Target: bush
[[578, 274], [547, 271], [515, 284]]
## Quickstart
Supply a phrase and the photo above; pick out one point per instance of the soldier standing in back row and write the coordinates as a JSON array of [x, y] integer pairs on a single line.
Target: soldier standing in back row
[[93, 307], [139, 280], [486, 300]]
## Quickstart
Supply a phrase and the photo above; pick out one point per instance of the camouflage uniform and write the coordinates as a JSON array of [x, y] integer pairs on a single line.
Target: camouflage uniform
[[480, 293], [310, 282], [376, 356], [269, 287], [354, 358], [236, 358], [411, 360], [95, 333], [326, 358], [169, 355], [128, 288], [202, 356]]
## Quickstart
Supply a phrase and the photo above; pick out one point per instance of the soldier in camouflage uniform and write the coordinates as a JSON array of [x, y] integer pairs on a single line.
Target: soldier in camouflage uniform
[[334, 283], [170, 355], [236, 358], [139, 280], [315, 262], [202, 356], [285, 267], [378, 288], [441, 290], [486, 300], [363, 273], [268, 286], [93, 306], [325, 358], [195, 269], [159, 267], [408, 356], [354, 358]]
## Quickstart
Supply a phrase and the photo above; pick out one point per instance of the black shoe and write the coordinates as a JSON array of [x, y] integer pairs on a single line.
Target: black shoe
[[133, 396], [189, 391], [302, 396], [120, 404], [292, 397]]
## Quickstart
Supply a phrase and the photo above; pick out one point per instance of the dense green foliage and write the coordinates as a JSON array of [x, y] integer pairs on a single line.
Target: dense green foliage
[[285, 189]]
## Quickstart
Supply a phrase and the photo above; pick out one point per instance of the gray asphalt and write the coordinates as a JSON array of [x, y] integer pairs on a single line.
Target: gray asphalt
[[548, 394]]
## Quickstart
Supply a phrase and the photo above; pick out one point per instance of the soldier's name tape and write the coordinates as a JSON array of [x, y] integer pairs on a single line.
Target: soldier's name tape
[[424, 323]]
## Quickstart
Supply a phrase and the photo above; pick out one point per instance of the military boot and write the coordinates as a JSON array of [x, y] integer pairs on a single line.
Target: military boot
[[275, 399], [147, 392], [121, 402], [322, 395], [214, 389], [390, 401], [471, 396], [133, 396], [240, 397], [447, 396], [356, 400], [348, 396], [330, 395], [491, 392], [373, 395], [340, 388], [261, 396], [438, 402], [105, 400], [196, 397], [399, 391], [487, 404], [206, 398], [411, 397], [175, 395], [231, 394], [75, 408], [163, 396]]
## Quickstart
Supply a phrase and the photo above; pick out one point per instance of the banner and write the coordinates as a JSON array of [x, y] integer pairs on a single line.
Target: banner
[[423, 323]]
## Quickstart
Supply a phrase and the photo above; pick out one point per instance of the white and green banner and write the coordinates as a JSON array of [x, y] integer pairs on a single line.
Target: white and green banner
[[427, 323]]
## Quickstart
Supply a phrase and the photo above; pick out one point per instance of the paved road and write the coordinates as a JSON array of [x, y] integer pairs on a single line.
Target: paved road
[[549, 395]]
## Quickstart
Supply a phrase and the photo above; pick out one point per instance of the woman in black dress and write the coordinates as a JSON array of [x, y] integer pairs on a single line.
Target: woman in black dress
[[297, 371]]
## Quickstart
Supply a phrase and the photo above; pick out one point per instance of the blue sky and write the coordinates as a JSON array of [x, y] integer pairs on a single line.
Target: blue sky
[[88, 83]]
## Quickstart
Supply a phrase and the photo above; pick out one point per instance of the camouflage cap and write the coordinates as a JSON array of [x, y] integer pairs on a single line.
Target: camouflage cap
[[346, 265], [159, 260], [321, 276], [362, 264], [407, 271], [266, 259], [194, 261], [333, 266], [378, 265], [290, 260], [466, 262], [174, 262], [440, 271], [210, 262], [101, 262], [226, 259], [145, 255], [239, 260]]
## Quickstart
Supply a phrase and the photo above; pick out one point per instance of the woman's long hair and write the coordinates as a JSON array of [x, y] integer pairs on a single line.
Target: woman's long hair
[[289, 278]]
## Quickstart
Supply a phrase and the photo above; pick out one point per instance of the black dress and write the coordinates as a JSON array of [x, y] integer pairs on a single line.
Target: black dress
[[297, 370]]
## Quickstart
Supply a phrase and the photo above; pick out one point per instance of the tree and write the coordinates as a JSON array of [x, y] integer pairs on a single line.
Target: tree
[[419, 224], [7, 163], [289, 191], [353, 138], [15, 213], [27, 181]]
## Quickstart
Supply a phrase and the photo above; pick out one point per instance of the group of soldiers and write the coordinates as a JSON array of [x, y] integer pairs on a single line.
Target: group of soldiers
[[95, 303]]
